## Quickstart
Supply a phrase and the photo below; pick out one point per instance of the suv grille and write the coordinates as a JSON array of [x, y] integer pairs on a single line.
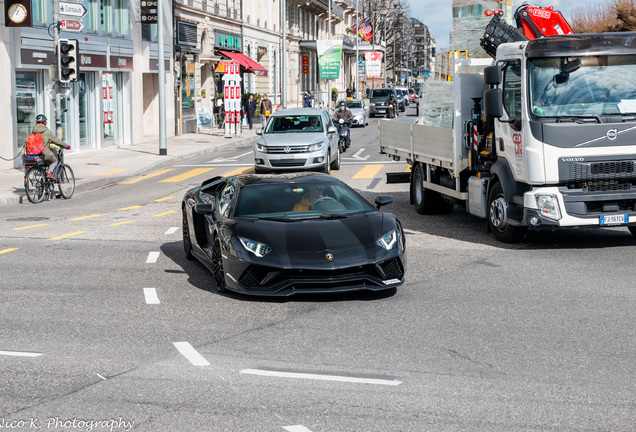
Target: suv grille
[[292, 149]]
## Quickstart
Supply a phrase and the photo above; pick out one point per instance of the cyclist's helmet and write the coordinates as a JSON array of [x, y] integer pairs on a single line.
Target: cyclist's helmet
[[41, 118], [342, 104]]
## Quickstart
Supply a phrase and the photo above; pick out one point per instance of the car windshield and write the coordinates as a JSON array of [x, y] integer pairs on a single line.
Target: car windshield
[[601, 85], [354, 104], [299, 201], [381, 93], [299, 123]]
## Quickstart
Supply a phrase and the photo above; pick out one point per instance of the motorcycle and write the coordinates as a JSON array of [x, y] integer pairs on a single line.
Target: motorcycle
[[391, 110], [344, 140]]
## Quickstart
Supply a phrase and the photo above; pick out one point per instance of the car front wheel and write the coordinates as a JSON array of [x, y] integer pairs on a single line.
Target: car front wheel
[[217, 262]]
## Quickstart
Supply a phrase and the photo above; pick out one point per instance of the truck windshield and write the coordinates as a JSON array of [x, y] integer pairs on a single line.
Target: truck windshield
[[602, 85]]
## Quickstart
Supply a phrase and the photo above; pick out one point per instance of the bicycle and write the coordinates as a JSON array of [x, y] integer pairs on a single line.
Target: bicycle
[[38, 187]]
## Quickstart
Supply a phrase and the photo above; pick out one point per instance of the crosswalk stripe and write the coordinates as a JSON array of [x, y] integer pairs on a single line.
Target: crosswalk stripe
[[186, 175], [146, 176], [368, 172], [239, 171]]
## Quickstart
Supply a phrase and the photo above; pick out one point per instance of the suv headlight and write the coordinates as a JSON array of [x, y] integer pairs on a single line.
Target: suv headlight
[[388, 240], [261, 147], [258, 249], [316, 147], [548, 206]]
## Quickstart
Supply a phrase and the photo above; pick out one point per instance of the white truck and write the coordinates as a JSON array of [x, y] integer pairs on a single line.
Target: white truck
[[544, 138]]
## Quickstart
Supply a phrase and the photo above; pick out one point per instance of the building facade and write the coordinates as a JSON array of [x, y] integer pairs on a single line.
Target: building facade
[[115, 98]]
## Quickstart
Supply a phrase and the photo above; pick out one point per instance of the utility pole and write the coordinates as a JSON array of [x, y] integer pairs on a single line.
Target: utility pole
[[329, 37], [58, 84], [357, 52], [283, 69], [163, 144]]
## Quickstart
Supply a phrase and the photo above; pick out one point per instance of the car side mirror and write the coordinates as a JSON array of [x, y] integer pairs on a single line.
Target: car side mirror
[[259, 131], [382, 200], [332, 130], [204, 209]]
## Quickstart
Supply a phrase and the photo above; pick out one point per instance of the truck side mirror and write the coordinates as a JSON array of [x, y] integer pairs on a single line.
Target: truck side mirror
[[492, 103], [492, 75]]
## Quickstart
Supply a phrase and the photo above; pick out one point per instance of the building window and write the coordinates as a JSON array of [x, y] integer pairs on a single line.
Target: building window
[[121, 17], [41, 13], [106, 16]]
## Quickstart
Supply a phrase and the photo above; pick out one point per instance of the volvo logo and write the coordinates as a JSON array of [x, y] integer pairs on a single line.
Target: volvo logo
[[329, 257], [287, 149], [612, 134]]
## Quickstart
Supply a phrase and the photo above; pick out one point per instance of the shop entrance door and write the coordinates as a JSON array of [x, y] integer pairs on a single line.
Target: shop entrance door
[[85, 101]]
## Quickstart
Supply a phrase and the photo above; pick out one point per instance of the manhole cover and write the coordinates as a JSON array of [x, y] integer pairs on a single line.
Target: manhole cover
[[27, 219]]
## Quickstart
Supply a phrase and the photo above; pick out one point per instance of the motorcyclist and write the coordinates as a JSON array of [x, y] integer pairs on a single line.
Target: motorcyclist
[[48, 138], [343, 113], [392, 102]]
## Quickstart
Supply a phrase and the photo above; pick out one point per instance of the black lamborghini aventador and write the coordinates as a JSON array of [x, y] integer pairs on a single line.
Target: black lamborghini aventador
[[298, 233]]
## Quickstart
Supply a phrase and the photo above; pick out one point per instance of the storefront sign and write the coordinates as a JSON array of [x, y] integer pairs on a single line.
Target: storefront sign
[[92, 61], [121, 62], [153, 65], [329, 58], [228, 41], [33, 57]]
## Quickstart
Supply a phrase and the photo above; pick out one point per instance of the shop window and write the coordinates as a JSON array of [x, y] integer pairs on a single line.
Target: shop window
[[26, 102], [111, 85]]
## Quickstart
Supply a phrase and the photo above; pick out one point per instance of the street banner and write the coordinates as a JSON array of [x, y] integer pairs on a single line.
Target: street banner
[[373, 61], [329, 58]]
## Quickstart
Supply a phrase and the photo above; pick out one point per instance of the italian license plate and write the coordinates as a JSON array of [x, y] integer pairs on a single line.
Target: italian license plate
[[287, 157], [614, 219]]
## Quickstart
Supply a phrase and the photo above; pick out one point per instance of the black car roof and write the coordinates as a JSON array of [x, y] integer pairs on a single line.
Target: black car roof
[[245, 179]]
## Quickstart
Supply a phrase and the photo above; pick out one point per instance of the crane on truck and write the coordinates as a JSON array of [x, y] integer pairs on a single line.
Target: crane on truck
[[543, 138]]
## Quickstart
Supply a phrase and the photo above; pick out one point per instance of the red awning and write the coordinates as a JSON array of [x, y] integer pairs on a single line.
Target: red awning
[[246, 62]]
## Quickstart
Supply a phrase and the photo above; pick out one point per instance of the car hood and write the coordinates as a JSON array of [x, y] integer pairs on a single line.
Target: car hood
[[307, 243], [356, 111], [290, 138]]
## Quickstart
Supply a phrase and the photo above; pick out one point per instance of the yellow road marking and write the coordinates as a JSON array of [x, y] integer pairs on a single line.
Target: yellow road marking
[[163, 199], [186, 175], [8, 250], [145, 176], [30, 226], [368, 172], [67, 235], [86, 217], [131, 207], [239, 171], [165, 213], [111, 172], [122, 223]]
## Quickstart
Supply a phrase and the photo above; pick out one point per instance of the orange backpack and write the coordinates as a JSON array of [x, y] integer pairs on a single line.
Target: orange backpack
[[34, 144]]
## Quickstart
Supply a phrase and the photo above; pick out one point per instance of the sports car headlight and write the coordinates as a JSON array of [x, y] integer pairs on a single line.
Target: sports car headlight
[[549, 206], [258, 249], [388, 240], [261, 147], [316, 147]]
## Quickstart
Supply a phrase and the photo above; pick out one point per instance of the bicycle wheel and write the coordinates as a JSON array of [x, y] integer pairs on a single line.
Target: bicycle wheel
[[65, 181], [36, 185]]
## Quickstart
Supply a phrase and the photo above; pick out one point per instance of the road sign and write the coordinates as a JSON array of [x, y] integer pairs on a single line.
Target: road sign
[[73, 9], [148, 4], [71, 25]]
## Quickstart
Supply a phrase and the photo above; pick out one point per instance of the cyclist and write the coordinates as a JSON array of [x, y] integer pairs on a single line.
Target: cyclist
[[48, 137]]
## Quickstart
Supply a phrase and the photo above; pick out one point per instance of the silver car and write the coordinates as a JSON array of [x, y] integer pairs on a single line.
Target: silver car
[[297, 139], [359, 110]]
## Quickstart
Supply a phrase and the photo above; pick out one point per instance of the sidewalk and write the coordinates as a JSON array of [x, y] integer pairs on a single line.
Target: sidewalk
[[96, 168]]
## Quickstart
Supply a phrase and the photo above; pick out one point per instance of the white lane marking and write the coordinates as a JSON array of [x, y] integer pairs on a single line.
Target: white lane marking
[[172, 230], [191, 354], [20, 354], [321, 377], [297, 428], [232, 158], [101, 377], [152, 257], [151, 296]]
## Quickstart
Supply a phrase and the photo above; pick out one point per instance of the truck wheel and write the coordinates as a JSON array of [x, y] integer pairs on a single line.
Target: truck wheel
[[498, 219], [425, 200]]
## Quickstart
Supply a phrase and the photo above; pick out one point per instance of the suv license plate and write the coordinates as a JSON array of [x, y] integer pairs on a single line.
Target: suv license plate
[[614, 219], [287, 157]]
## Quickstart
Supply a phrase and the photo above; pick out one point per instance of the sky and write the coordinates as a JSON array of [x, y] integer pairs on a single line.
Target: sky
[[437, 15]]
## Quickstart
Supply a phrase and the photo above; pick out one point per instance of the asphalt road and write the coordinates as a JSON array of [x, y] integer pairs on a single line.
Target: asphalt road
[[106, 326]]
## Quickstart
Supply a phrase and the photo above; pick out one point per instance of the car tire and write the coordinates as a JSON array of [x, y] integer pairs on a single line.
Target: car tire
[[217, 263], [335, 165], [187, 241]]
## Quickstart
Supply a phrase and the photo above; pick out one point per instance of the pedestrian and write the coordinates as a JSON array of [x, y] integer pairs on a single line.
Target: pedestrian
[[368, 92], [251, 110], [349, 93], [48, 138], [307, 99], [334, 96], [266, 109]]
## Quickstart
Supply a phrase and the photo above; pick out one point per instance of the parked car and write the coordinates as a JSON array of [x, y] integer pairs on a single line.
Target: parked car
[[275, 235], [378, 97], [292, 142], [359, 110], [412, 95]]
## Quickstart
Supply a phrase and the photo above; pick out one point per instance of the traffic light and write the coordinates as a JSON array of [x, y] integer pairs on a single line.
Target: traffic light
[[67, 56]]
